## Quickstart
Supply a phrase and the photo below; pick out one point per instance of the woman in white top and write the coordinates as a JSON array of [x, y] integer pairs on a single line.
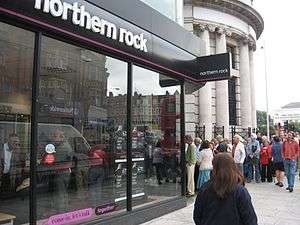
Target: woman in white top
[[205, 163]]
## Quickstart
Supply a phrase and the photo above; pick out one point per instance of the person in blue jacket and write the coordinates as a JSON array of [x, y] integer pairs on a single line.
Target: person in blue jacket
[[224, 200]]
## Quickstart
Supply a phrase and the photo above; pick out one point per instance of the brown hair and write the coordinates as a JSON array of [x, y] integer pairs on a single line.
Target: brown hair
[[225, 175]]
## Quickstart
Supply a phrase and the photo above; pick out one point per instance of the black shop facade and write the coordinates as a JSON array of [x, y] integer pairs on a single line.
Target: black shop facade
[[92, 111]]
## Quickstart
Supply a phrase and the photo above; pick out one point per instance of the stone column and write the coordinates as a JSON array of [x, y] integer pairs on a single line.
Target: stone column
[[252, 85], [222, 104], [245, 90], [205, 106]]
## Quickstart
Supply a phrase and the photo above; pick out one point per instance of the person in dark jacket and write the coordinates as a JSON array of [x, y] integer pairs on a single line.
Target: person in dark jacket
[[278, 160], [224, 200]]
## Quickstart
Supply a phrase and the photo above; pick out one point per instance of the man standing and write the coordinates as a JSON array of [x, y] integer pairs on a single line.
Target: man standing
[[198, 148], [12, 163], [253, 152], [290, 152], [190, 159], [238, 152], [222, 145]]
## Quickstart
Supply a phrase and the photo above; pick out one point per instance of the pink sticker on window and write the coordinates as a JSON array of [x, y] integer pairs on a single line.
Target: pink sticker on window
[[70, 217]]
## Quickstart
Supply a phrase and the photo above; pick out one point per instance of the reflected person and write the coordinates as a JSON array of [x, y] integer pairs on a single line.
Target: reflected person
[[60, 179], [12, 163]]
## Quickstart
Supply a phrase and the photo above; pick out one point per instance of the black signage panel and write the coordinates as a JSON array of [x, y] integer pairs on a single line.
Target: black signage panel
[[214, 67], [89, 25]]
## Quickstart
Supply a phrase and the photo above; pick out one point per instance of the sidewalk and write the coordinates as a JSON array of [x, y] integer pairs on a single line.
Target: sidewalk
[[273, 206]]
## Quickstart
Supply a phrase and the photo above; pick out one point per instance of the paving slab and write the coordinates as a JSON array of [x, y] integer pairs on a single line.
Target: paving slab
[[273, 206]]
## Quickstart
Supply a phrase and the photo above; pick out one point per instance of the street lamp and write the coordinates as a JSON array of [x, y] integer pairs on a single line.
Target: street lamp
[[266, 81]]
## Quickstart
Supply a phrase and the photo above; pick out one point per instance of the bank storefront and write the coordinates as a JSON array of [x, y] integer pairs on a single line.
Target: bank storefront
[[91, 111]]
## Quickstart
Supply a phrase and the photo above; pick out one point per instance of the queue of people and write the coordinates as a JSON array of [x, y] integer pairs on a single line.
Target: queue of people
[[258, 159], [223, 172]]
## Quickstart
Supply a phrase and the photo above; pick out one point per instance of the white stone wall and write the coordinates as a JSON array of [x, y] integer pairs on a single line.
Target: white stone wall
[[221, 18], [190, 114], [224, 30]]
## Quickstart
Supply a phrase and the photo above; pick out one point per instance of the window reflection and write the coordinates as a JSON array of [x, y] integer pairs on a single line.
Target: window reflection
[[155, 137], [166, 7], [16, 67], [78, 132]]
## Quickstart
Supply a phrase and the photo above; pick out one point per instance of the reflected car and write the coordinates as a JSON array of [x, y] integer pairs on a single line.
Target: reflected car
[[81, 157]]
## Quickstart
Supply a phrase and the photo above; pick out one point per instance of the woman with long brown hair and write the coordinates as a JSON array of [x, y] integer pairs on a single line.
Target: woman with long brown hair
[[224, 200]]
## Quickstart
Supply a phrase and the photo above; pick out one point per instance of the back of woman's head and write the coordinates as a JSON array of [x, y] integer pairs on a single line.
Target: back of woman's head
[[276, 139], [205, 144], [225, 175]]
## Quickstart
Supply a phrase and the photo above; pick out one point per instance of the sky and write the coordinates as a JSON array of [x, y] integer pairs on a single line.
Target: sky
[[282, 48]]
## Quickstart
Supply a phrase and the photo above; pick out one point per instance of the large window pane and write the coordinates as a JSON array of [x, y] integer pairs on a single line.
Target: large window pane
[[82, 108], [155, 137], [16, 67]]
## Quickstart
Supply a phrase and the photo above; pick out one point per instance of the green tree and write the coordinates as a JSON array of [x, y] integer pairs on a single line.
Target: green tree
[[294, 126], [262, 123]]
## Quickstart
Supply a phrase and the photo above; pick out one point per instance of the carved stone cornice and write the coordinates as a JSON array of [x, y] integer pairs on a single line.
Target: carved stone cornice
[[252, 45], [228, 33], [220, 30], [211, 28], [245, 40], [236, 8], [202, 27]]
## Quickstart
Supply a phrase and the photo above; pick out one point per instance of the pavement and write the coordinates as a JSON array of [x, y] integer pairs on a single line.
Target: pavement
[[273, 206]]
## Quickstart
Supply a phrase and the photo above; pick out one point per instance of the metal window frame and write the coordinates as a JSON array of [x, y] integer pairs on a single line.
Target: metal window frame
[[34, 128], [129, 137], [182, 143]]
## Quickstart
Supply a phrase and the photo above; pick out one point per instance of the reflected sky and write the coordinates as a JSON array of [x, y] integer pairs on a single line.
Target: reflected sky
[[117, 80], [145, 82], [166, 7]]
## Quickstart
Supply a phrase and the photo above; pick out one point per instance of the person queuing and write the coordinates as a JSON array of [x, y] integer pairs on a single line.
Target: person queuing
[[229, 145], [238, 152], [253, 152], [248, 168], [224, 199], [265, 160], [278, 160], [221, 145], [190, 165], [214, 144], [205, 164], [290, 152], [197, 142]]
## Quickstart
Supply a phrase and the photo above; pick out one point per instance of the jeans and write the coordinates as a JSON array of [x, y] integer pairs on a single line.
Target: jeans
[[248, 170], [240, 166], [255, 163], [290, 171]]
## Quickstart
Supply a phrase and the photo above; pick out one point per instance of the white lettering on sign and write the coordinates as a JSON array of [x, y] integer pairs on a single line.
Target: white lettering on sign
[[214, 72], [83, 18]]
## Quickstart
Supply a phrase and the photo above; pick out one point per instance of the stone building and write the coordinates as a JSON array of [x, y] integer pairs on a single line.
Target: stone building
[[225, 26]]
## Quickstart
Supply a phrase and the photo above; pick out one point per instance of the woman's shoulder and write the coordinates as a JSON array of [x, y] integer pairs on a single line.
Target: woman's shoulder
[[242, 192], [205, 187]]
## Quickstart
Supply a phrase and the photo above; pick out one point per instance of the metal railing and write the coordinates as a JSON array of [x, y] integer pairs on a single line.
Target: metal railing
[[200, 132]]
